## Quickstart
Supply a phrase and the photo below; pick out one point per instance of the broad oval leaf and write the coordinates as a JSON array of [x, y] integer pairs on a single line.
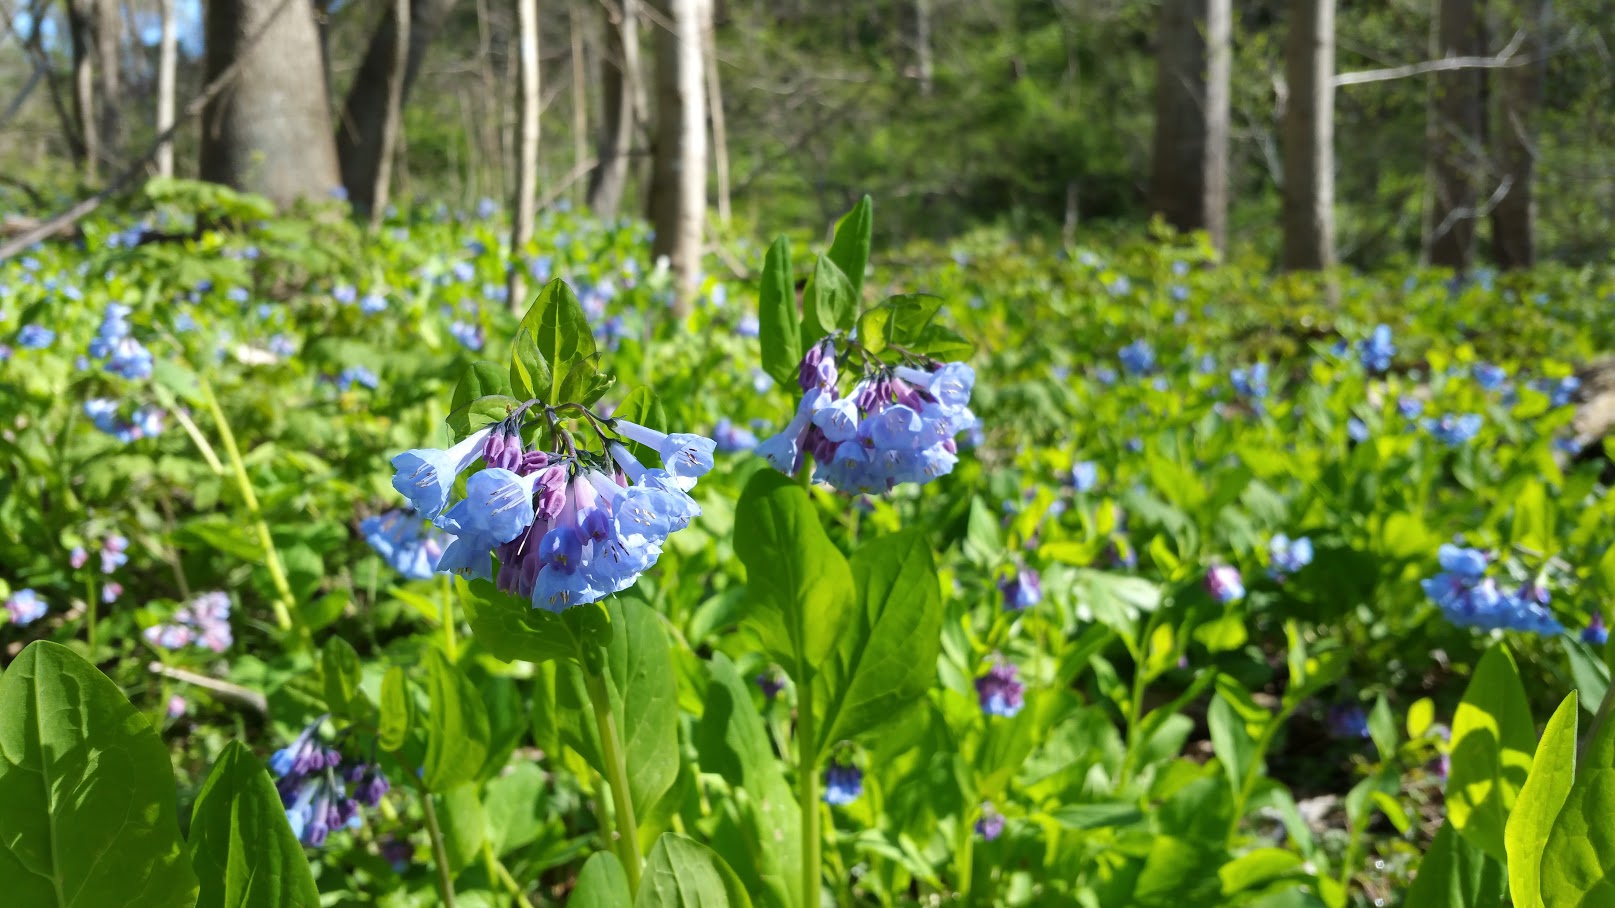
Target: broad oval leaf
[[1456, 874], [243, 850], [779, 326], [560, 329], [1578, 864], [397, 710], [850, 247], [1492, 741], [1553, 770], [682, 873], [828, 302], [457, 728], [601, 884], [89, 814]]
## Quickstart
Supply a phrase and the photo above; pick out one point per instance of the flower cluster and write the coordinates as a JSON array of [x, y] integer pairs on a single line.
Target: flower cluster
[[1000, 692], [25, 607], [1084, 475], [1488, 376], [1469, 598], [991, 824], [1595, 633], [125, 356], [1347, 721], [1286, 556], [896, 426], [204, 622], [314, 787], [1455, 431], [567, 529], [1250, 383], [1224, 583], [35, 337], [1138, 357], [1376, 351], [104, 413], [843, 783], [407, 544], [1021, 590]]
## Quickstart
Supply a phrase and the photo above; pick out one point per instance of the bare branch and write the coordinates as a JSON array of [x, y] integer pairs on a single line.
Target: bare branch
[[1505, 57], [1461, 213], [224, 690]]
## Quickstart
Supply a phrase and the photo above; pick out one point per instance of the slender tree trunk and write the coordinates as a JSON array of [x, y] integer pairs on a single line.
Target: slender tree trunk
[[1454, 142], [523, 213], [108, 71], [361, 136], [393, 123], [720, 134], [619, 78], [678, 198], [81, 27], [270, 132], [923, 65], [167, 63], [1309, 136], [1519, 99], [1189, 179]]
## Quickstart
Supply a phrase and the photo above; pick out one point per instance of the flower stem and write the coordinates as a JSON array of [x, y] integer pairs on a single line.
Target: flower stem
[[1258, 757], [807, 793], [617, 776], [90, 600], [440, 856], [287, 616], [450, 646], [498, 871]]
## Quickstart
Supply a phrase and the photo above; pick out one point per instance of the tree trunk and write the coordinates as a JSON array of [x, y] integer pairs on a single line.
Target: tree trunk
[[361, 133], [167, 63], [1519, 99], [678, 197], [528, 101], [1309, 136], [619, 78], [924, 68], [393, 123], [81, 28], [108, 36], [580, 93], [270, 131], [1189, 179], [720, 133], [1454, 140]]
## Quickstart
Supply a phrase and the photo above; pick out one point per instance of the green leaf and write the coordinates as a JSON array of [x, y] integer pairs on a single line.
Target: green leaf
[[397, 710], [89, 815], [242, 848], [1233, 745], [529, 376], [983, 543], [828, 302], [732, 741], [911, 314], [560, 329], [850, 248], [682, 873], [1098, 815], [584, 382], [941, 343], [887, 655], [1553, 770], [1254, 868], [799, 584], [873, 328], [1578, 864], [457, 727], [601, 884], [516, 803], [1532, 526], [1382, 729], [339, 664], [465, 825], [1492, 741], [778, 325], [642, 407], [643, 689], [1456, 874], [510, 628], [483, 386]]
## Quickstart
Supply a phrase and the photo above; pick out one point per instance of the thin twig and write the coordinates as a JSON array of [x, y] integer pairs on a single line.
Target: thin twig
[[1504, 57], [224, 690]]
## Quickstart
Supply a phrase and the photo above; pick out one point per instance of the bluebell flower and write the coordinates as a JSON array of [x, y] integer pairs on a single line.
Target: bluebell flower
[[1409, 407], [685, 457], [1224, 583], [1287, 556], [1084, 475], [357, 375], [761, 381], [1250, 383], [1000, 693], [991, 824], [184, 323], [486, 208], [468, 334], [1488, 376], [1178, 293], [114, 553], [408, 545], [463, 272], [373, 303], [1137, 357], [843, 784], [35, 337], [1356, 430], [314, 788], [1595, 632], [1105, 375], [114, 327], [425, 476], [1454, 431], [25, 607], [731, 438], [1120, 286], [1376, 351], [344, 293], [204, 622], [238, 295], [1022, 589], [1348, 721], [1469, 598], [541, 268], [282, 345], [771, 682], [1562, 391]]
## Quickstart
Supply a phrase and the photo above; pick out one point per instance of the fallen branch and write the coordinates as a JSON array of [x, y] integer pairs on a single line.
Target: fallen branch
[[224, 690], [1504, 57]]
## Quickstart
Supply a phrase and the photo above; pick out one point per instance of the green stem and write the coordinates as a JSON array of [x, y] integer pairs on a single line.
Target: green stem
[[1257, 759], [450, 645], [440, 856], [617, 776], [287, 615], [498, 871], [1135, 707], [807, 793], [90, 602], [964, 853]]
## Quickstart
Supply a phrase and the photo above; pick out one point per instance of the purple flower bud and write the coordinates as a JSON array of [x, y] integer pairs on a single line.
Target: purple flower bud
[[1224, 583]]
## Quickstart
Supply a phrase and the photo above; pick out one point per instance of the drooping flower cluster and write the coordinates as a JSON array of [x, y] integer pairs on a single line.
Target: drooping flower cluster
[[203, 622], [1250, 383], [1489, 376], [314, 787], [1138, 357], [1376, 351], [1469, 598], [1595, 633], [1286, 556], [25, 607], [35, 337], [125, 356], [1000, 691], [407, 544], [843, 783], [1022, 589], [1224, 583], [568, 529], [991, 824], [145, 422], [897, 425], [1455, 431]]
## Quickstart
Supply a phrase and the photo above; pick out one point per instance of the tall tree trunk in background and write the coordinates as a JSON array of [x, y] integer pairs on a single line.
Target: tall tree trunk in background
[[392, 128], [1454, 138], [1309, 136], [1519, 90], [619, 78], [678, 196], [1189, 178], [528, 101], [270, 131], [924, 68], [361, 132], [108, 72], [720, 133], [167, 63], [580, 95], [81, 28]]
